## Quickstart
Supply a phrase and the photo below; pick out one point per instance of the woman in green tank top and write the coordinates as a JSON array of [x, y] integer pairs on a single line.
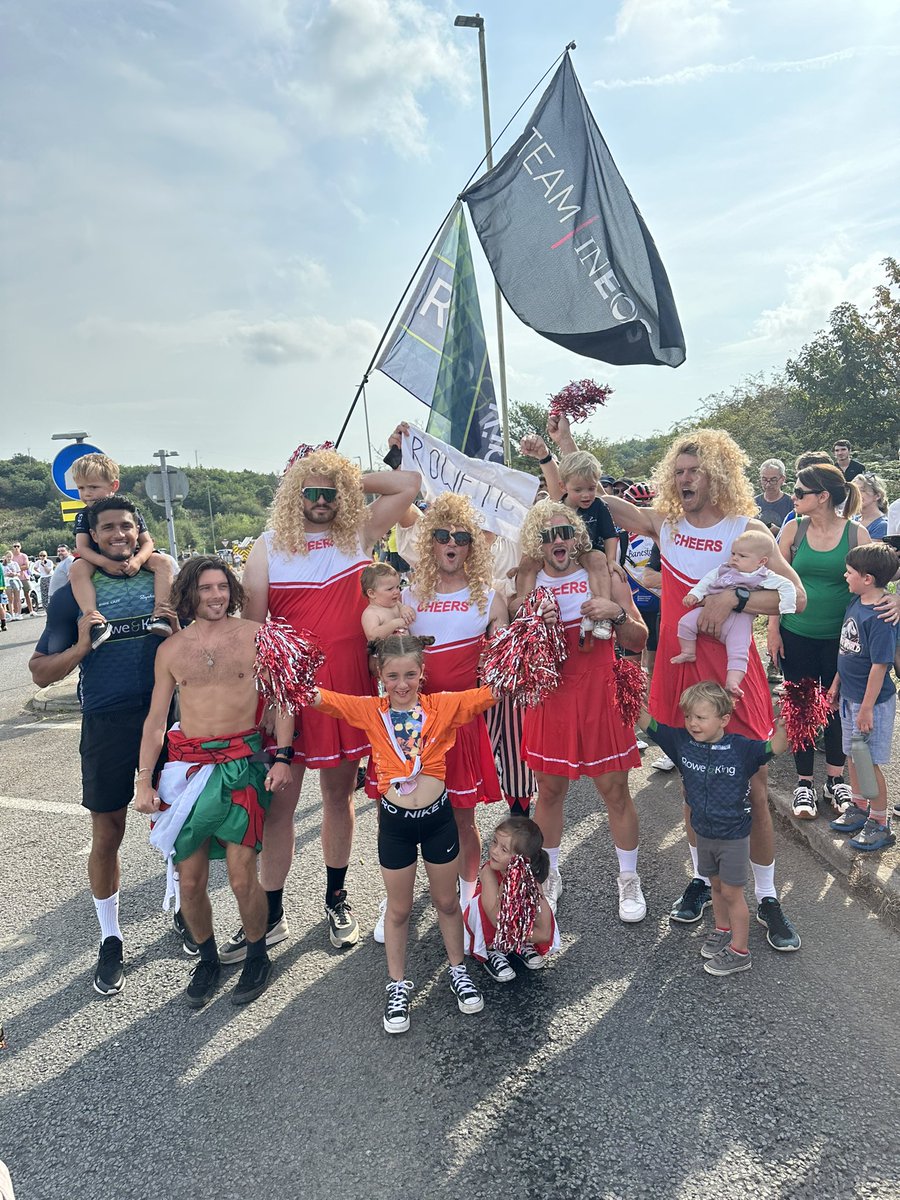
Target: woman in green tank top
[[816, 545]]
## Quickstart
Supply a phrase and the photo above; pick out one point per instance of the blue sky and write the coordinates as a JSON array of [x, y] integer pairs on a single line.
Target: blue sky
[[210, 207]]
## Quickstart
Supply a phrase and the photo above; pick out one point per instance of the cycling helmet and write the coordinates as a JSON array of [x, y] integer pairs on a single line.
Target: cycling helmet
[[640, 494]]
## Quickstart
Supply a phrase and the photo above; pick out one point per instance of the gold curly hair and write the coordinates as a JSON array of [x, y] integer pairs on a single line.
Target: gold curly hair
[[286, 517], [551, 512], [725, 465], [450, 510]]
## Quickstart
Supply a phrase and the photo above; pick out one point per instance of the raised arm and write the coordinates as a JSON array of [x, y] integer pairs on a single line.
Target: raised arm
[[560, 433], [534, 446], [636, 520], [396, 491]]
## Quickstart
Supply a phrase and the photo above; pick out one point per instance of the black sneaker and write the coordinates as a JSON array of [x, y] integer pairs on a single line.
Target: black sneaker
[[204, 981], [109, 978], [343, 927], [188, 945], [396, 1005], [499, 967], [838, 794], [254, 979], [100, 634], [780, 933], [235, 949], [161, 627], [692, 903], [360, 779]]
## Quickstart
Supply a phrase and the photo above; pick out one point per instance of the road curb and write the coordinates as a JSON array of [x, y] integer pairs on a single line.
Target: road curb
[[873, 878], [59, 697]]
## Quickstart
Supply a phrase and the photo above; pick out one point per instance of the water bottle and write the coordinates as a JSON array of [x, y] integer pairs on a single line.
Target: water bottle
[[865, 769]]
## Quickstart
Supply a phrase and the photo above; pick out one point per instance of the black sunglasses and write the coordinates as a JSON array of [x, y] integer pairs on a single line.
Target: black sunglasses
[[557, 531], [313, 494], [460, 537], [800, 492]]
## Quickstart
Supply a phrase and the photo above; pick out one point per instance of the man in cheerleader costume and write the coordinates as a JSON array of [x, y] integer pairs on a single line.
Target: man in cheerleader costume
[[704, 501], [214, 789], [306, 569], [578, 730]]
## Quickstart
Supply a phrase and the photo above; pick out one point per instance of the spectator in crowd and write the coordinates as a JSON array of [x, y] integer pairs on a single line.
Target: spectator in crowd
[[843, 460], [13, 586], [873, 494], [773, 502], [64, 560], [3, 600], [44, 569], [21, 560]]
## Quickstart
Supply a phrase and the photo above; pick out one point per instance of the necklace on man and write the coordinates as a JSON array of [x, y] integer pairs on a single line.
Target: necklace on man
[[210, 661]]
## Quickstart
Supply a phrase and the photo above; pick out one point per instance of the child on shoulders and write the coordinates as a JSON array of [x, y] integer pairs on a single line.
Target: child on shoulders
[[716, 768], [865, 691]]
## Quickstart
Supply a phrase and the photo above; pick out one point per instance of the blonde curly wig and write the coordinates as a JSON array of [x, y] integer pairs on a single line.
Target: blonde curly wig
[[724, 463], [450, 511], [286, 517], [551, 512]]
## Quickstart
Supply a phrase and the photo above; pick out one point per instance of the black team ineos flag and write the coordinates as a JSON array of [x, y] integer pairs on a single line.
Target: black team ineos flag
[[566, 242]]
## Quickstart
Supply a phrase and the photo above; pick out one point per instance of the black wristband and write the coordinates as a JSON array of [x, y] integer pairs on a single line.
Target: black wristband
[[544, 461], [284, 754]]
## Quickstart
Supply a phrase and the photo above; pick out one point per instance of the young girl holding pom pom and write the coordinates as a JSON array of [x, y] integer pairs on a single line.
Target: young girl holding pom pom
[[410, 733], [509, 912]]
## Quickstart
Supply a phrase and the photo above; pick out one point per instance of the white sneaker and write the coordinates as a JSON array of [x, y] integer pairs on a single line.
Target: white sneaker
[[641, 744], [553, 889], [632, 905], [663, 763], [378, 931], [602, 630]]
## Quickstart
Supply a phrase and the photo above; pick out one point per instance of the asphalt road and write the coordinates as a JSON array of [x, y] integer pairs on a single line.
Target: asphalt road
[[622, 1070]]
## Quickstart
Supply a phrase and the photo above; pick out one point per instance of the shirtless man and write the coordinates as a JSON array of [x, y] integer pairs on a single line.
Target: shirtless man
[[307, 570], [218, 810], [695, 533]]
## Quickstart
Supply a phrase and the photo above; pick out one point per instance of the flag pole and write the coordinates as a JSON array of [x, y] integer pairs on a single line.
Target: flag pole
[[388, 328]]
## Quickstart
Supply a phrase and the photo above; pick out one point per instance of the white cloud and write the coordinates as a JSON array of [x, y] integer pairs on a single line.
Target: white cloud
[[361, 65], [814, 287], [676, 28], [271, 341], [742, 66]]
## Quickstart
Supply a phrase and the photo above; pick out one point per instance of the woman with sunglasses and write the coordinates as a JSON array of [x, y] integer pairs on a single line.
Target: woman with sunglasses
[[578, 731], [816, 545], [873, 496]]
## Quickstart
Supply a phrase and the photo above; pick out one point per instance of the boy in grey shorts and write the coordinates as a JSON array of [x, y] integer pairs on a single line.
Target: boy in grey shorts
[[716, 769]]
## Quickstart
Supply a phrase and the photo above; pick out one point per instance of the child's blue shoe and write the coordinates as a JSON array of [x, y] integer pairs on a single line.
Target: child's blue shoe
[[873, 836]]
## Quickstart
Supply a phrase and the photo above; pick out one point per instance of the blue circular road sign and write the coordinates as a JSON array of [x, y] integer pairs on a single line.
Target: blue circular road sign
[[62, 466]]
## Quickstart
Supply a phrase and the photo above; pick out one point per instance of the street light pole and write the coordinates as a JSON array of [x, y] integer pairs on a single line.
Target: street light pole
[[477, 22], [162, 455]]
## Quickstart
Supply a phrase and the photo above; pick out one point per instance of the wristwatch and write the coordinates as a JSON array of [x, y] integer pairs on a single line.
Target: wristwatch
[[743, 595], [621, 618]]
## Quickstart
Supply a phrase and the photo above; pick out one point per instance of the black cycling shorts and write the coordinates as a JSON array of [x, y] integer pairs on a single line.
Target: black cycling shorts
[[402, 830]]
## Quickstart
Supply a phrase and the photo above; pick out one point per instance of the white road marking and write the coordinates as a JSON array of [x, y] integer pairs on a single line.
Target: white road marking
[[41, 806]]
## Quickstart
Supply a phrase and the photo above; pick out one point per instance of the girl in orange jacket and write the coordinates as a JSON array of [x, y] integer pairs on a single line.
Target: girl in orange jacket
[[410, 733]]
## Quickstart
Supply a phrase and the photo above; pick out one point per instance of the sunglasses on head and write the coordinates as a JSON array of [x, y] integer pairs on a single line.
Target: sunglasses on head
[[313, 494], [800, 492], [557, 531], [460, 537]]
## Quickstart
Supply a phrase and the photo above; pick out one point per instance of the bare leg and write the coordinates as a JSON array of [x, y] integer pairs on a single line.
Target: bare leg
[[762, 836], [107, 831], [196, 909], [442, 885], [548, 810], [338, 814], [278, 833], [249, 893], [623, 821], [469, 860], [399, 886], [734, 902]]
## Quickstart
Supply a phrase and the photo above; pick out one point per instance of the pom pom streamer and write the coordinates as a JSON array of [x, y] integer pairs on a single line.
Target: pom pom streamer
[[302, 451], [523, 660], [520, 895], [630, 689], [805, 710], [578, 399], [285, 666]]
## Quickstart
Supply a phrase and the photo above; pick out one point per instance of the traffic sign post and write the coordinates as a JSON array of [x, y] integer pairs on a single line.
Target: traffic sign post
[[164, 472], [61, 468]]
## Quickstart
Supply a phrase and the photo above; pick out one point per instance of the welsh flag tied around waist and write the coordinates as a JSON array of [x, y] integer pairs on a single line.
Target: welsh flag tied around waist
[[438, 350], [566, 243]]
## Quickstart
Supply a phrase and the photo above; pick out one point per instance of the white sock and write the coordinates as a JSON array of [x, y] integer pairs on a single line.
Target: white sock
[[466, 890], [553, 855], [694, 865], [176, 883], [108, 916], [764, 881], [627, 860]]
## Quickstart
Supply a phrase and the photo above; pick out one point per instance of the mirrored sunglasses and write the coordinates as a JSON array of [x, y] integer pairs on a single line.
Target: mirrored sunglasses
[[557, 531], [313, 494], [460, 537]]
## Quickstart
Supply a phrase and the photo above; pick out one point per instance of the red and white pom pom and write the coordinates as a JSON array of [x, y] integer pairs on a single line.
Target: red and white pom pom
[[520, 895], [630, 689], [578, 399], [302, 451], [523, 660], [805, 711], [285, 666]]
